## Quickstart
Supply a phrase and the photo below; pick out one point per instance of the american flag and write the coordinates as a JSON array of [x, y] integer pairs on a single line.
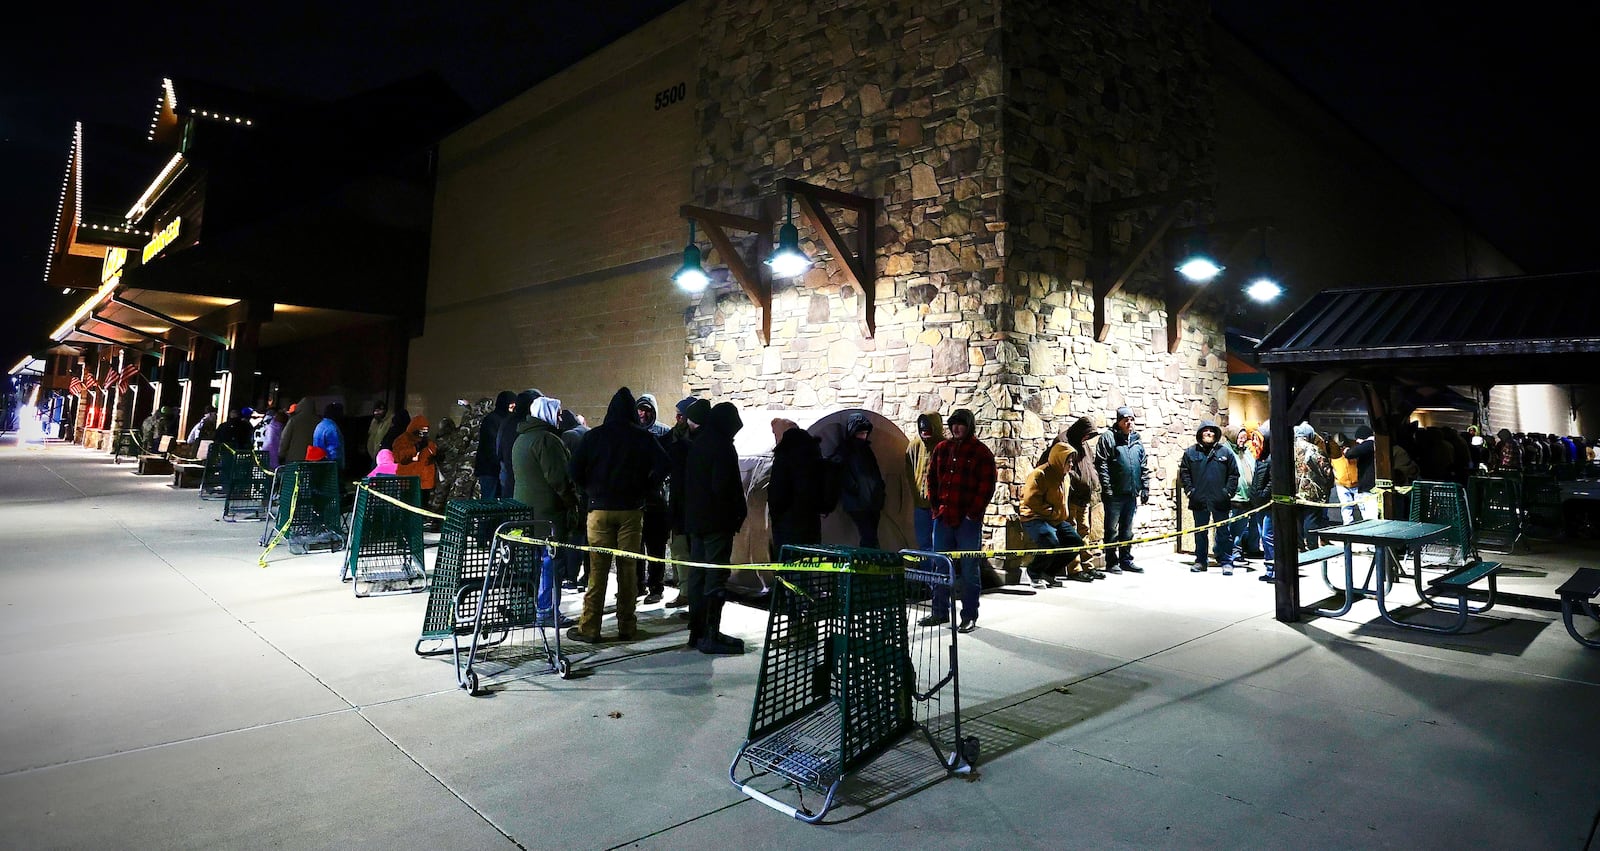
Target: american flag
[[90, 383], [75, 386], [121, 379]]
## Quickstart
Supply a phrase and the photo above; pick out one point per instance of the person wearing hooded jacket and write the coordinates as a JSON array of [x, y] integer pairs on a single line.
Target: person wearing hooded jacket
[[1045, 520], [713, 513], [1119, 461], [573, 562], [863, 494], [486, 459], [692, 414], [507, 438], [329, 436], [297, 433], [962, 478], [657, 518], [1209, 473], [1261, 494], [416, 455], [1083, 497], [615, 467], [794, 488], [544, 484], [919, 460]]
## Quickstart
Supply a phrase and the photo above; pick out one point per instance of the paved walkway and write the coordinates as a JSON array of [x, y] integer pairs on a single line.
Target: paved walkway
[[162, 691]]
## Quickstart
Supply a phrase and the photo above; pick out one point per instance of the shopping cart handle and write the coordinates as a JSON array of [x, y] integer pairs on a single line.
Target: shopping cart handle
[[772, 802]]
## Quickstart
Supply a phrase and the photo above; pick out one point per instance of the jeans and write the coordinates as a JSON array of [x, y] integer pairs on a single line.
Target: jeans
[[617, 530], [488, 487], [969, 569], [1119, 528], [1268, 551], [707, 586], [1206, 513], [1049, 534], [922, 523], [1349, 510], [1245, 532], [546, 601]]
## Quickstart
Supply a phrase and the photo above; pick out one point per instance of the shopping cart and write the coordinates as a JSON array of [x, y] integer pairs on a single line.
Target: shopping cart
[[466, 548], [247, 488], [304, 507], [220, 457], [840, 680], [385, 554], [509, 592]]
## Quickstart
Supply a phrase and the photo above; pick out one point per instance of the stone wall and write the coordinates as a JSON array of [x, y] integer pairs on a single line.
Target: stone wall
[[986, 129]]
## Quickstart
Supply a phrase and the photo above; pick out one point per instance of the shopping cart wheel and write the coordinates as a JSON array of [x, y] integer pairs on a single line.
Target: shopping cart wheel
[[470, 683], [564, 668]]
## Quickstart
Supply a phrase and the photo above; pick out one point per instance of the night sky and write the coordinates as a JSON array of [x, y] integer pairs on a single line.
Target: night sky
[[1477, 107]]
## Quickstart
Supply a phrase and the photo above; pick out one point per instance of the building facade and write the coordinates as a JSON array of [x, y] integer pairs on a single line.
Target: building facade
[[1017, 156]]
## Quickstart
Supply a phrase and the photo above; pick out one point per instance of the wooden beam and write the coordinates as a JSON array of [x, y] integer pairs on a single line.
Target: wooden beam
[[854, 261], [132, 330], [753, 278], [1107, 284], [1285, 516], [176, 323], [726, 220]]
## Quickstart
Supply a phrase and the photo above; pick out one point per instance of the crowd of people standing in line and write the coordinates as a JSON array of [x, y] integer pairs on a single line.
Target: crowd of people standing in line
[[635, 484]]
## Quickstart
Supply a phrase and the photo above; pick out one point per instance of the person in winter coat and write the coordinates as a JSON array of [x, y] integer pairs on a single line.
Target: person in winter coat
[[507, 438], [692, 414], [862, 496], [385, 464], [1083, 498], [376, 429], [298, 433], [1509, 456], [793, 490], [919, 460], [1346, 477], [616, 466], [1209, 473], [235, 432], [1045, 519], [1313, 479], [485, 459], [1261, 494], [204, 429], [962, 477], [544, 484], [574, 563], [1119, 461], [328, 437], [398, 424], [1243, 533], [657, 518], [416, 455], [272, 438], [714, 511]]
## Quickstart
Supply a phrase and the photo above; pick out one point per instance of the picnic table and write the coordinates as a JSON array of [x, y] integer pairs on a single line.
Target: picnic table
[[1389, 537]]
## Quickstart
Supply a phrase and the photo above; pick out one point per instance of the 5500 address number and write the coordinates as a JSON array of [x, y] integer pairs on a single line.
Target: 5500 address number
[[668, 97]]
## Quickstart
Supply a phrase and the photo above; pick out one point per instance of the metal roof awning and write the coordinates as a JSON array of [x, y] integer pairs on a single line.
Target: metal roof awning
[[1520, 330]]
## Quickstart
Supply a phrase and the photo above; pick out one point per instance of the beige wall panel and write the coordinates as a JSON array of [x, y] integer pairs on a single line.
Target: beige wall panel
[[577, 341], [590, 183]]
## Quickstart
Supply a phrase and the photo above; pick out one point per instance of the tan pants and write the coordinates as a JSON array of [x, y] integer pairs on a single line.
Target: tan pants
[[1090, 519], [619, 530]]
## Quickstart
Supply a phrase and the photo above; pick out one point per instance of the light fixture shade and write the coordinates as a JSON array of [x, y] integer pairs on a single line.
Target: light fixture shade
[[1199, 269], [1263, 289], [691, 276], [788, 260]]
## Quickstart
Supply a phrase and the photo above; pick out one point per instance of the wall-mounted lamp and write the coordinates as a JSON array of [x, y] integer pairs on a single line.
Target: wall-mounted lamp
[[1263, 285], [1199, 269], [691, 276], [788, 261]]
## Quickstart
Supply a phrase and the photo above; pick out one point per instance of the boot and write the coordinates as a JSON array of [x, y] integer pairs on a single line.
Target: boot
[[713, 634]]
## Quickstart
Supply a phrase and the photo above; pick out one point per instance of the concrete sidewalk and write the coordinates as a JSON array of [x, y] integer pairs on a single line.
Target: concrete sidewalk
[[163, 691]]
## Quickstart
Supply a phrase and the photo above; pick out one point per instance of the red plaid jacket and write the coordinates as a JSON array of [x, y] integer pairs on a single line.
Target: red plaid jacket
[[961, 480]]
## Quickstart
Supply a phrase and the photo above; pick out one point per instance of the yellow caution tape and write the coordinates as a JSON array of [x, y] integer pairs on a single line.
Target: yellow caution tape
[[406, 505], [282, 533]]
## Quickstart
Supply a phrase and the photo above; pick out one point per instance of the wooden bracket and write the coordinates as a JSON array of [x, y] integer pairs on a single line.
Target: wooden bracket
[[753, 276], [1108, 279], [860, 265]]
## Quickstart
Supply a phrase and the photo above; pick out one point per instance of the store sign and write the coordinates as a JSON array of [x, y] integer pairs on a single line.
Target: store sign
[[162, 240], [116, 258]]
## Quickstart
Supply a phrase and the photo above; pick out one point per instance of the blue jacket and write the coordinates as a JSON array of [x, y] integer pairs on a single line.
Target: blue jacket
[[1120, 464], [329, 440]]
